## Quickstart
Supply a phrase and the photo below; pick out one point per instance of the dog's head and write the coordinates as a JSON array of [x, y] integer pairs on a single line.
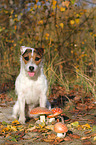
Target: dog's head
[[32, 58]]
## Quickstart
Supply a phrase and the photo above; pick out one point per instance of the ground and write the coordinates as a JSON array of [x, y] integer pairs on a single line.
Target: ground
[[80, 120]]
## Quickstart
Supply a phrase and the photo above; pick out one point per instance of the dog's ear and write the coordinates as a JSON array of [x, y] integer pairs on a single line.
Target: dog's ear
[[22, 49], [40, 51]]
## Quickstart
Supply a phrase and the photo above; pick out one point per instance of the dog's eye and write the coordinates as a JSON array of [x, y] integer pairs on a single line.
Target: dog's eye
[[26, 58], [37, 59]]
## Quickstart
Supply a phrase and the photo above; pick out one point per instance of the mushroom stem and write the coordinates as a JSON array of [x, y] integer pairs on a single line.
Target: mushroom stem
[[51, 119], [62, 120], [42, 118], [61, 135]]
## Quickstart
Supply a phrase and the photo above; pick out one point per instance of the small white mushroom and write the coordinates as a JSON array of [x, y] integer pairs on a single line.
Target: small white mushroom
[[60, 129]]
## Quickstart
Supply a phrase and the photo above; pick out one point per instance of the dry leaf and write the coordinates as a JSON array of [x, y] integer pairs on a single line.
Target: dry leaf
[[85, 137], [87, 143], [48, 140], [67, 138], [50, 127], [74, 136], [52, 136], [87, 132], [32, 128]]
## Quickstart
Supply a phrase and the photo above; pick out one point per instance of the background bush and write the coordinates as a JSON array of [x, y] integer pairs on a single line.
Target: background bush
[[65, 29]]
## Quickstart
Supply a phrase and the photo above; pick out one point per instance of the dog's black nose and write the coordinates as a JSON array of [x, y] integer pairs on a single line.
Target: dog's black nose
[[31, 68]]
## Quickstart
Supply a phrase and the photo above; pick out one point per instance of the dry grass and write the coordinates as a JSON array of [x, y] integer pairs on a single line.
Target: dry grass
[[69, 39]]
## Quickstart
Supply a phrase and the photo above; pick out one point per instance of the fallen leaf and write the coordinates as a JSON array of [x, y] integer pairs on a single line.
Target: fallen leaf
[[50, 127], [86, 126], [16, 122], [48, 140], [87, 132], [85, 137], [51, 136], [12, 139], [67, 138], [93, 134], [81, 106], [94, 128], [87, 143], [32, 128], [94, 138], [75, 124], [4, 123], [74, 136]]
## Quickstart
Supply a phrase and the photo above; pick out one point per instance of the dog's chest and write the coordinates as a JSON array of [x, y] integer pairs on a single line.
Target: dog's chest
[[31, 90], [32, 93]]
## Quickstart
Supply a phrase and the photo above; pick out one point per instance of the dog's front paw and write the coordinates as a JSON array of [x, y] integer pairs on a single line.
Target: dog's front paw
[[22, 120], [14, 116]]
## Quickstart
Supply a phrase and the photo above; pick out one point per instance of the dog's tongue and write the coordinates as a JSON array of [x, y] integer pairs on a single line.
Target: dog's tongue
[[31, 74]]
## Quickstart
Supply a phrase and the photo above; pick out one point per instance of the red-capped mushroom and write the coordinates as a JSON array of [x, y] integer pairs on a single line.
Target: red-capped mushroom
[[60, 129], [56, 112], [41, 111]]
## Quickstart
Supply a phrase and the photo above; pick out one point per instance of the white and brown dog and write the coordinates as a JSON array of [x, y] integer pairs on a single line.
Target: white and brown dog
[[31, 83]]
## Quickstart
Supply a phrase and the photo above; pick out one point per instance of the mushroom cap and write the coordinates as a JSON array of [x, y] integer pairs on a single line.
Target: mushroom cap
[[40, 110], [60, 127], [56, 112]]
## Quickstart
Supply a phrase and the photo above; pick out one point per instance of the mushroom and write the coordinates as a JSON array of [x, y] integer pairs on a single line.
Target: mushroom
[[60, 129], [56, 112], [41, 111]]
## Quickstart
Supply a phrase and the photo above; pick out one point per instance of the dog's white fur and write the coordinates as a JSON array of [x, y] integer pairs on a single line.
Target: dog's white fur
[[30, 90]]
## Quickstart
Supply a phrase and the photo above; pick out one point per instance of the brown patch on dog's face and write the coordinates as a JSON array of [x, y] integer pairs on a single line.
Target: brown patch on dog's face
[[37, 55], [36, 58], [27, 55], [39, 51]]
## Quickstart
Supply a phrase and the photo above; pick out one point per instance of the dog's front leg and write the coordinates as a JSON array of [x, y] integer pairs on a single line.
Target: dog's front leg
[[21, 101], [43, 100]]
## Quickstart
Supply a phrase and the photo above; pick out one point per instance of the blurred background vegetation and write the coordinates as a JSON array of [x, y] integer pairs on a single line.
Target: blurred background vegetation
[[66, 29]]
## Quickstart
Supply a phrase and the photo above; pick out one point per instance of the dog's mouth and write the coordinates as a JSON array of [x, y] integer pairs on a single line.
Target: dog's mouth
[[31, 74]]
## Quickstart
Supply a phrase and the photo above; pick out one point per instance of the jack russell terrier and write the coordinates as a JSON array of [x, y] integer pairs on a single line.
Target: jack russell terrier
[[31, 84]]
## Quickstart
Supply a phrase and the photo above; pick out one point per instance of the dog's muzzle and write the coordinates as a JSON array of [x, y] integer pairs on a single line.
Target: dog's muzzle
[[31, 68], [31, 72]]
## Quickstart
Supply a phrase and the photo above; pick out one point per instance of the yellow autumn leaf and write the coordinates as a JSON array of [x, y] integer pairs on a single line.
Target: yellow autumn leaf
[[16, 122], [40, 22], [61, 25], [77, 21], [32, 128], [54, 2], [94, 138], [12, 11], [53, 7], [13, 128], [72, 22], [5, 129], [62, 9], [86, 126], [16, 15], [47, 34], [75, 124], [50, 127]]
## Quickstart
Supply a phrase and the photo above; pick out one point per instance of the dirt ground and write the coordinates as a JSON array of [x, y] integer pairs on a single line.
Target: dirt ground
[[35, 137]]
